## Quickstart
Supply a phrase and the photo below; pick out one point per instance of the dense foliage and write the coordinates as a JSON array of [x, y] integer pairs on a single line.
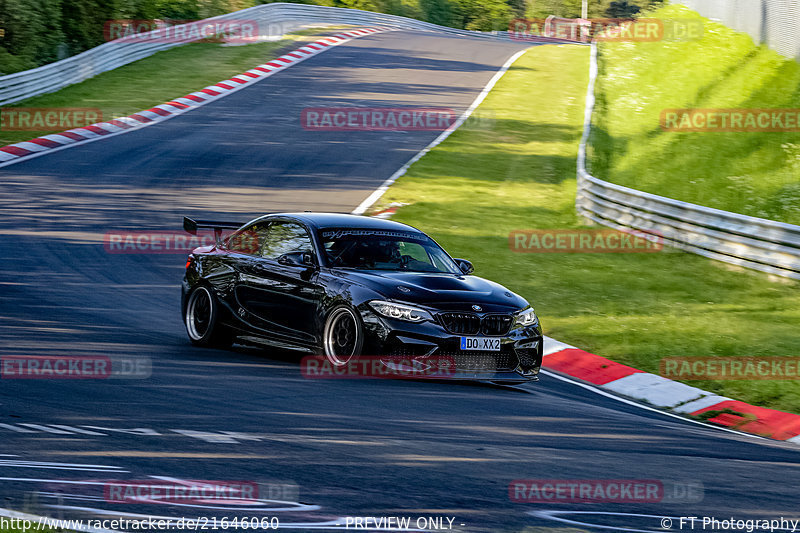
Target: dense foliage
[[35, 32]]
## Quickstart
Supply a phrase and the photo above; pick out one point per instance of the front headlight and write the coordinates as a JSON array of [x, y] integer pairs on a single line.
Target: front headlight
[[526, 317], [400, 311]]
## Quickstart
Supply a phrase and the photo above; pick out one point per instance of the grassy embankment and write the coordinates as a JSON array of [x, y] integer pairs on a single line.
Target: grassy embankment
[[756, 173], [517, 171]]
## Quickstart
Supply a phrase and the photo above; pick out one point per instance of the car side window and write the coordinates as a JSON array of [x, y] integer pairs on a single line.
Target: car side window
[[248, 240], [286, 237], [414, 251]]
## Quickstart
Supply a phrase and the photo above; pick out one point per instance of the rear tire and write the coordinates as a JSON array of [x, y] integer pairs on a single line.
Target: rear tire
[[343, 336], [202, 320]]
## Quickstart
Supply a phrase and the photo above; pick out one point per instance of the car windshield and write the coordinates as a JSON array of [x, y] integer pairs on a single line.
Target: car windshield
[[385, 250]]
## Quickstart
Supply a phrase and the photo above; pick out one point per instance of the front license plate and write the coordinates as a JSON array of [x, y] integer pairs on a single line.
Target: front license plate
[[483, 344]]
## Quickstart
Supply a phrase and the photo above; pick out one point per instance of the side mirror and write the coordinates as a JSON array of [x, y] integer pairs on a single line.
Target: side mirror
[[465, 266], [300, 259]]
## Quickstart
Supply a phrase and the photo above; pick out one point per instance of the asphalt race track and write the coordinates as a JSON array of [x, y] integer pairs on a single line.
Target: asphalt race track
[[327, 449]]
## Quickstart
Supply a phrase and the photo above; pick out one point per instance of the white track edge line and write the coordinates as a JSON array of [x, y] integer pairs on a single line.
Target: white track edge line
[[380, 191], [160, 119], [640, 405]]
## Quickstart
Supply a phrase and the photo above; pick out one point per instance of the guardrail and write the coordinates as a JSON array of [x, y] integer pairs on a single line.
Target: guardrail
[[273, 20], [756, 243]]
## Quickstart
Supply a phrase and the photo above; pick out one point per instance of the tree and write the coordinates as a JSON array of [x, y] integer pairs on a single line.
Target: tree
[[212, 8], [32, 32], [484, 15], [438, 12], [517, 8], [83, 22], [565, 8], [411, 9], [178, 9], [622, 9], [366, 5]]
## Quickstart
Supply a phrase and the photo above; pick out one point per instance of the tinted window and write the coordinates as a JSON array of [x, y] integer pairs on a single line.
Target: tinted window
[[385, 250], [286, 237], [247, 240]]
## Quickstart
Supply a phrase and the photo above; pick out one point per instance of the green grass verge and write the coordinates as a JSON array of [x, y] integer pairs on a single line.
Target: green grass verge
[[755, 173], [159, 78], [517, 171]]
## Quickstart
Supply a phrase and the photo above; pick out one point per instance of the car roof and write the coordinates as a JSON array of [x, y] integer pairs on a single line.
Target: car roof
[[341, 220]]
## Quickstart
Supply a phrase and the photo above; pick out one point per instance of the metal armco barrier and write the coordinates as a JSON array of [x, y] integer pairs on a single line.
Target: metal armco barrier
[[273, 20], [756, 243]]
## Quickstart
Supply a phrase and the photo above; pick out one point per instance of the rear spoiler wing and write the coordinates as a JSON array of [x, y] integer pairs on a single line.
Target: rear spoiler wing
[[191, 226]]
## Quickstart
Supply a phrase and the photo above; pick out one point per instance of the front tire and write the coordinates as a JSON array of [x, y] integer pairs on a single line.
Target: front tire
[[202, 320], [343, 336]]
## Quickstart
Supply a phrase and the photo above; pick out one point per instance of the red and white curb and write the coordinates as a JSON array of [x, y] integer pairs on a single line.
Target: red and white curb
[[14, 153], [667, 394]]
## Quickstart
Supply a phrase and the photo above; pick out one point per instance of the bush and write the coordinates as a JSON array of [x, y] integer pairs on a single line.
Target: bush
[[41, 31]]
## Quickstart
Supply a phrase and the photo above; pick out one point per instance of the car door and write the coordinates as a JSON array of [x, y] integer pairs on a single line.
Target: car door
[[236, 254], [279, 297]]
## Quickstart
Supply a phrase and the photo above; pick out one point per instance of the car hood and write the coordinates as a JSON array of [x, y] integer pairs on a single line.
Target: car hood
[[444, 291]]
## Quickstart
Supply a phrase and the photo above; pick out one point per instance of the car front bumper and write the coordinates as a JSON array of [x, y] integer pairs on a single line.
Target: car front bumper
[[519, 358]]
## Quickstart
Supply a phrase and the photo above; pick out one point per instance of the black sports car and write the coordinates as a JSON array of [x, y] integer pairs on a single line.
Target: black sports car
[[345, 286]]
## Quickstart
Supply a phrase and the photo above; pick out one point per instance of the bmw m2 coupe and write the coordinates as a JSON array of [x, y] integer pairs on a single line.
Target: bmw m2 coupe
[[345, 286]]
